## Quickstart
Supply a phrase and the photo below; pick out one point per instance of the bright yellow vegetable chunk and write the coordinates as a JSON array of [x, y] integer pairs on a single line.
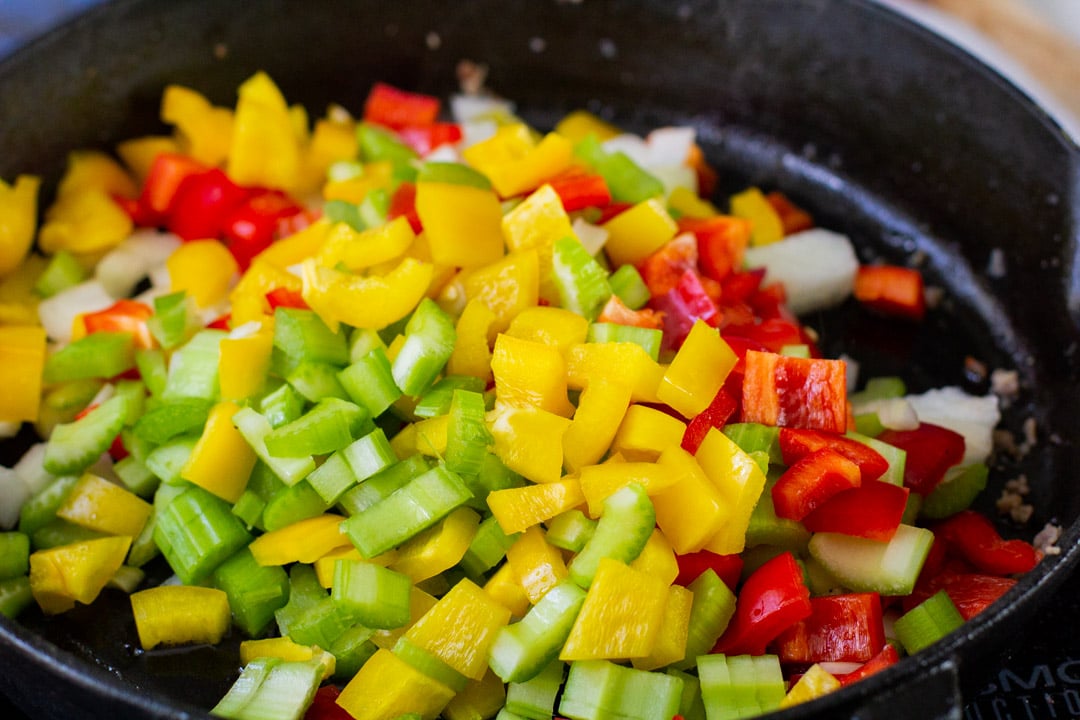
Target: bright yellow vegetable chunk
[[64, 575], [692, 510], [84, 222], [138, 154], [637, 233], [600, 481], [304, 541], [427, 437], [387, 687], [646, 432], [481, 698], [514, 163], [18, 220], [420, 603], [180, 614], [333, 139], [504, 587], [517, 509], [698, 370], [222, 459], [295, 248], [92, 170], [22, 355], [439, 547], [621, 617], [657, 558], [554, 326], [529, 373], [248, 298], [265, 147], [601, 409], [622, 362], [507, 286], [674, 628], [814, 683], [579, 124], [372, 301], [463, 223], [537, 222], [287, 650], [358, 250], [472, 354], [204, 269], [244, 362], [460, 628], [537, 564], [529, 440], [740, 482], [205, 131], [106, 507], [765, 224], [689, 204]]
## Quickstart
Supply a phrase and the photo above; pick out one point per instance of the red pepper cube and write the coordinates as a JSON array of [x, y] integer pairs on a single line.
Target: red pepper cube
[[810, 482], [727, 567], [202, 203], [721, 243], [662, 271], [682, 306], [891, 290], [578, 190], [167, 173], [396, 108], [772, 599], [841, 628], [722, 407], [971, 593], [888, 656], [975, 539], [931, 450], [873, 510], [795, 392], [796, 443]]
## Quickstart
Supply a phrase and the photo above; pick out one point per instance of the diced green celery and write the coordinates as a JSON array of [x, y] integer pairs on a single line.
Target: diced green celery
[[362, 341], [63, 271], [800, 350], [61, 532], [535, 698], [152, 369], [311, 617], [570, 530], [197, 532], [467, 436], [316, 381], [136, 477], [453, 174], [75, 446], [369, 381], [167, 461], [271, 689], [879, 388], [648, 338], [143, 548], [429, 664], [249, 508], [254, 428], [523, 649], [369, 455], [626, 282], [625, 525], [713, 607], [493, 475], [332, 479], [97, 355], [601, 690], [127, 578], [581, 281], [436, 401], [374, 208], [175, 318], [351, 649], [896, 457], [41, 507], [169, 419], [956, 491], [754, 437], [282, 405], [15, 596], [291, 504], [487, 549], [627, 181], [193, 368], [62, 402], [302, 335], [343, 211], [14, 554], [383, 484], [429, 341], [927, 622], [888, 568], [378, 143], [767, 528], [255, 591], [376, 596], [691, 706], [329, 426]]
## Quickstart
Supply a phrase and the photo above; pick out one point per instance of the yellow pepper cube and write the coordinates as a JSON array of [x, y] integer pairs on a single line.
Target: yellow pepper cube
[[657, 558], [205, 130], [97, 504], [372, 301], [377, 175], [324, 566], [600, 481], [294, 249], [697, 372], [554, 326], [287, 650], [472, 353], [537, 564], [265, 143], [18, 207], [84, 222], [138, 154], [180, 615], [356, 250], [426, 437], [529, 373], [504, 587], [646, 432], [438, 548], [482, 698], [332, 140], [94, 170], [670, 644], [460, 628], [244, 362], [304, 541], [463, 223], [22, 355], [537, 222], [222, 460], [692, 510], [740, 482], [600, 411], [420, 603], [517, 509], [387, 687], [689, 204], [637, 233], [204, 269], [814, 683], [623, 362], [248, 297], [507, 286], [529, 440], [516, 164], [621, 617], [64, 575], [765, 223], [579, 124]]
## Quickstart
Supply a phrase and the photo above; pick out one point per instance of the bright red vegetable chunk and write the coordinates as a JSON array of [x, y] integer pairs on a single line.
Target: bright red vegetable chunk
[[797, 443], [888, 656], [663, 270], [403, 204], [841, 628], [931, 450], [324, 705], [128, 316], [719, 411], [396, 109], [975, 539], [795, 392], [891, 290], [682, 306], [167, 173], [202, 203], [721, 243], [811, 481], [424, 139], [578, 190], [727, 567], [772, 599], [873, 510], [792, 217]]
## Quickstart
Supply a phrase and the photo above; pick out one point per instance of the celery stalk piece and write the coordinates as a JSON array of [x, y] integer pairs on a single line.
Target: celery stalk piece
[[271, 689], [369, 381], [167, 461], [600, 689], [166, 420], [254, 427], [75, 446], [63, 271], [429, 664], [468, 437], [41, 508], [523, 649], [535, 698], [351, 649], [626, 282], [714, 605], [15, 596], [624, 527], [648, 338], [97, 355], [329, 426], [316, 381], [300, 334], [889, 568], [197, 532], [282, 405], [193, 368], [429, 342], [376, 596], [436, 401], [570, 530], [292, 503], [255, 591], [174, 319], [928, 622], [369, 455], [581, 281], [956, 492], [14, 554], [487, 549], [383, 483], [61, 532], [311, 617], [627, 181]]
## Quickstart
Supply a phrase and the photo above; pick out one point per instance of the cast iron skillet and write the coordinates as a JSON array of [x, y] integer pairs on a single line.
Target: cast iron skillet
[[883, 130]]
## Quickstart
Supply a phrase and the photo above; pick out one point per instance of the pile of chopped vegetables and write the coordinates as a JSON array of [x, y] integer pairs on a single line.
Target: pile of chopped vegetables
[[460, 419]]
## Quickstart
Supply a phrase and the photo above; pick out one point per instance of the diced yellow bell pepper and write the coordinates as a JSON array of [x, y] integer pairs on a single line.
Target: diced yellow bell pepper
[[537, 222], [97, 504], [205, 131], [670, 644], [517, 509], [579, 124], [420, 603], [688, 204], [657, 558], [358, 250], [621, 617], [64, 575], [248, 298], [515, 163], [698, 370], [529, 373], [537, 564], [740, 482], [139, 153], [387, 687], [505, 588], [481, 699], [304, 541], [765, 223], [637, 233], [427, 437], [460, 628], [439, 547], [623, 362], [204, 269], [691, 511], [222, 459], [84, 222], [18, 299], [92, 170], [472, 354], [554, 326], [814, 683], [374, 301], [295, 248], [287, 650], [22, 355], [333, 139], [507, 286], [18, 220], [600, 481], [265, 148], [180, 614], [376, 176], [600, 411], [324, 566], [463, 223], [646, 432], [244, 362], [529, 440]]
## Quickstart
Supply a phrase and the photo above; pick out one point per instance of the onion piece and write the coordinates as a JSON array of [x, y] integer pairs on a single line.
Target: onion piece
[[591, 236], [133, 259], [58, 313], [817, 268], [13, 495], [31, 468]]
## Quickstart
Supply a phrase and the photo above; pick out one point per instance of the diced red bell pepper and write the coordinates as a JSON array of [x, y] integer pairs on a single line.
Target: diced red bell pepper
[[888, 656], [727, 567], [222, 322], [682, 306], [396, 108], [286, 298], [738, 287], [611, 210], [792, 217], [774, 333], [403, 204], [324, 705], [840, 628], [706, 174], [167, 173], [722, 407], [796, 443], [663, 270], [795, 392], [615, 311], [931, 450], [971, 593], [721, 243], [424, 139], [202, 203], [128, 316], [891, 290], [974, 538], [812, 480], [770, 303], [253, 225], [873, 510], [772, 599], [578, 190]]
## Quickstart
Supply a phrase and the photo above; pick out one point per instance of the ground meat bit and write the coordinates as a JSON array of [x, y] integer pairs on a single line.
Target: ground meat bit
[[1005, 383], [1012, 503], [1046, 539], [1030, 436]]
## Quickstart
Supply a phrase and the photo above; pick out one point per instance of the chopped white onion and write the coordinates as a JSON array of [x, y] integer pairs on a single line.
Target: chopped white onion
[[13, 495], [633, 146], [893, 413], [817, 268], [591, 236], [58, 312], [31, 468], [670, 145], [675, 176], [128, 263], [469, 108], [973, 416], [477, 131], [444, 153]]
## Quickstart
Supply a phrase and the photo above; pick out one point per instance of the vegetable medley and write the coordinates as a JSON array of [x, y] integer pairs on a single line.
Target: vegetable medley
[[459, 418]]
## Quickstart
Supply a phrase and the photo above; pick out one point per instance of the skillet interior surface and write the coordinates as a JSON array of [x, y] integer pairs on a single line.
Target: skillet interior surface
[[882, 130]]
